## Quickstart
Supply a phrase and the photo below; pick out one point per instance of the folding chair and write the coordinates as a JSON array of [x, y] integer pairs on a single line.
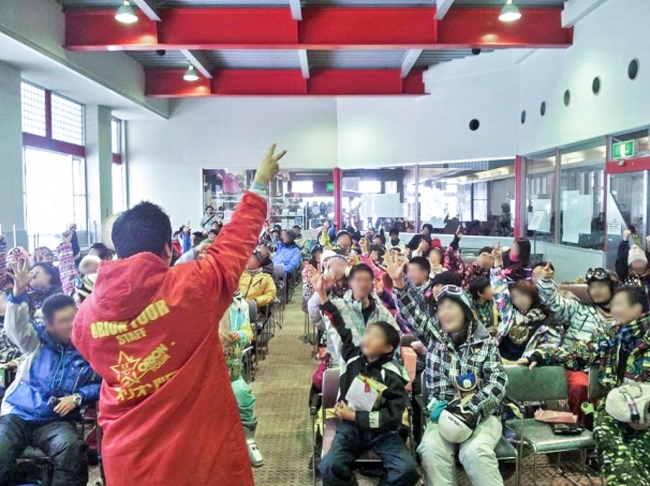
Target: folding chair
[[329, 397], [540, 385], [280, 277]]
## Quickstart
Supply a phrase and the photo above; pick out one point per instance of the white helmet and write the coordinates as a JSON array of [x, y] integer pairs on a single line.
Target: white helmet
[[630, 403], [453, 428]]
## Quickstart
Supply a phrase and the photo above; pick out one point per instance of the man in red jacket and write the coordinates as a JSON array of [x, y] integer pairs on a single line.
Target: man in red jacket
[[167, 409]]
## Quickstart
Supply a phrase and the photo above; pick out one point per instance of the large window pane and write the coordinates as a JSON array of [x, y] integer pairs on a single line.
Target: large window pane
[[581, 198], [540, 197], [67, 120], [48, 196], [33, 109]]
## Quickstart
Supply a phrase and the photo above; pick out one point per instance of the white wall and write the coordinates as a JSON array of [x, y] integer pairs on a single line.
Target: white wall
[[165, 158], [604, 43]]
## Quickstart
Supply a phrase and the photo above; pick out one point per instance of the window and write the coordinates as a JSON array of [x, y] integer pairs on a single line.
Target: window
[[540, 196], [67, 120], [33, 109], [55, 195], [54, 165], [581, 197], [302, 187], [369, 187]]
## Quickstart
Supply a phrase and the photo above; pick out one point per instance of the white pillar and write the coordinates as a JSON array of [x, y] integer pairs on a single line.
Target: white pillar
[[99, 160], [12, 205]]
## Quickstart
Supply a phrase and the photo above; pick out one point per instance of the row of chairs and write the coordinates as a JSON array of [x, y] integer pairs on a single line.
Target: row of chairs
[[526, 388]]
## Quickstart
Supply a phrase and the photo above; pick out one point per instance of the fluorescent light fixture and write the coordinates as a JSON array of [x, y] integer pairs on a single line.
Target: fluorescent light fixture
[[126, 14], [509, 12], [191, 74]]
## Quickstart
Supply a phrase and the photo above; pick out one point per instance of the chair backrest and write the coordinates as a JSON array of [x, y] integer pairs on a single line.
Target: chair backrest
[[330, 387], [278, 271], [252, 311], [537, 385], [410, 359]]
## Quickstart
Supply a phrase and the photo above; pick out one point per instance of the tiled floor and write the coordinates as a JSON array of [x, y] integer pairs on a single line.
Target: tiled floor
[[284, 431]]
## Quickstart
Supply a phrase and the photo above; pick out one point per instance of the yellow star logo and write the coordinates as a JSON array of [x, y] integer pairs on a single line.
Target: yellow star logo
[[126, 369]]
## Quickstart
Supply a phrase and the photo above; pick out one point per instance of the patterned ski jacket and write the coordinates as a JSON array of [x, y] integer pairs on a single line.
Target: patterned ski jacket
[[478, 355], [621, 352], [580, 321], [467, 271], [547, 333]]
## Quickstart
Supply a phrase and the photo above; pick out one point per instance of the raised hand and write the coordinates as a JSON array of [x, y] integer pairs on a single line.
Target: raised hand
[[459, 232], [626, 234], [394, 266], [66, 236], [547, 271], [20, 276], [364, 244], [379, 287], [269, 166]]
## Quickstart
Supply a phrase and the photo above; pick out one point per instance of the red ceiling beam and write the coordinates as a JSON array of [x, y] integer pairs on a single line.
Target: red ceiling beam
[[538, 27], [285, 82], [321, 28]]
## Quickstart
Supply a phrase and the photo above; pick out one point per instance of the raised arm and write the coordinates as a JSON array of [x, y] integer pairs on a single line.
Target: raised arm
[[226, 258], [499, 283], [621, 256], [17, 325], [410, 303], [67, 267], [563, 309], [3, 262]]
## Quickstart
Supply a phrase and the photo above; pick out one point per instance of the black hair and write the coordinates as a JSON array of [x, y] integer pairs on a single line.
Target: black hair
[[52, 271], [297, 226], [198, 238], [393, 231], [209, 206], [143, 228], [391, 334], [636, 295], [543, 264], [478, 286], [427, 226], [361, 267], [421, 262], [343, 233], [55, 303], [379, 249], [214, 232], [485, 249], [104, 252]]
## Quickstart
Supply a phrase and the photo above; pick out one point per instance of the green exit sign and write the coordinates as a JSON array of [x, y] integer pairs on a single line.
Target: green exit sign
[[622, 150]]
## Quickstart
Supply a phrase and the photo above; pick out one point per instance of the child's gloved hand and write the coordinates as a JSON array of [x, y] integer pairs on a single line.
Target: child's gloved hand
[[436, 408]]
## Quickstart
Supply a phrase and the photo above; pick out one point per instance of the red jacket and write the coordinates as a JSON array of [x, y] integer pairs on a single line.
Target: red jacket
[[167, 409]]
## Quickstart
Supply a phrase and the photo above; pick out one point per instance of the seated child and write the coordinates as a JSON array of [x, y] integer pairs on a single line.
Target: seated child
[[236, 333], [375, 430]]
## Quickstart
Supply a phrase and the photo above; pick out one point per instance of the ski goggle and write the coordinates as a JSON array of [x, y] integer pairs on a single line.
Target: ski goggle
[[455, 293], [597, 275]]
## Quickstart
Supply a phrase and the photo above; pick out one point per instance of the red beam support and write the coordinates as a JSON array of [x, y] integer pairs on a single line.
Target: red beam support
[[287, 82], [520, 198], [44, 143], [633, 164], [337, 175], [481, 27], [321, 28]]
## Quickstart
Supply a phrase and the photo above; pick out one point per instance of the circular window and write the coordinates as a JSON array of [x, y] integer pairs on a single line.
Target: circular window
[[474, 124], [633, 69], [523, 117], [542, 108], [595, 85], [567, 98]]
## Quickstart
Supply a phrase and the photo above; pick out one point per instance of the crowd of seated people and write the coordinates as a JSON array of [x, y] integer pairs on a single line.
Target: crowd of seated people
[[467, 320]]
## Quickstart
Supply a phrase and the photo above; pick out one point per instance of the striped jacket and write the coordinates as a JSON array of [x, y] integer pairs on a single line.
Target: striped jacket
[[478, 355], [579, 320]]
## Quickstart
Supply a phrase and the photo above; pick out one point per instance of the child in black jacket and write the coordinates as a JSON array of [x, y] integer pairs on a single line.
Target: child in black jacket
[[375, 430]]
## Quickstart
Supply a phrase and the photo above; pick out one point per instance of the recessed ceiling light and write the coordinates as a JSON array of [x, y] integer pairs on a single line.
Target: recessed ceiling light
[[509, 12], [125, 14]]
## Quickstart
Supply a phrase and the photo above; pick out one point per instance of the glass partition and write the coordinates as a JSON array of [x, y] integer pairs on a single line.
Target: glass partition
[[581, 197], [541, 197]]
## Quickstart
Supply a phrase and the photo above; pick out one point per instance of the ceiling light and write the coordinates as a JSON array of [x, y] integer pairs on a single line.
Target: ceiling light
[[191, 74], [509, 12], [125, 14]]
